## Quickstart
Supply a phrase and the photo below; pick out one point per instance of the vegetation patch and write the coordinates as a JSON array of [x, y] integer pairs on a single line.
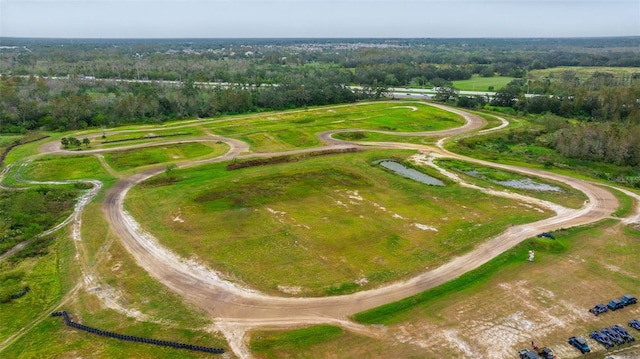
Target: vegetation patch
[[146, 137], [26, 214], [41, 274], [271, 344], [469, 282], [324, 224], [128, 159], [539, 188], [237, 164], [626, 203], [71, 167], [36, 247], [384, 137], [298, 129]]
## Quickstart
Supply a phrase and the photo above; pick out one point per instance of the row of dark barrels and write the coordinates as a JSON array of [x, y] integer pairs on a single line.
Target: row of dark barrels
[[25, 290], [71, 323]]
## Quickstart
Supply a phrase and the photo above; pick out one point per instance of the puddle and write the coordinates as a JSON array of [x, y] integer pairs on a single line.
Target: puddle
[[407, 172], [526, 183]]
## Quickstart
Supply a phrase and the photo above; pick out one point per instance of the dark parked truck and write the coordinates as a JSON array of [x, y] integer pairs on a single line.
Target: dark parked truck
[[615, 304], [580, 343]]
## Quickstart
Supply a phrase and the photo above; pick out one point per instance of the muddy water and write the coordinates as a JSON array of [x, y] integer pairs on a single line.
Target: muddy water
[[407, 172]]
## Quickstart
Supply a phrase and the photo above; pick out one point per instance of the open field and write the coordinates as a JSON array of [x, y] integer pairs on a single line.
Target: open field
[[118, 297], [57, 168], [504, 305], [297, 129], [584, 72], [130, 159], [478, 83], [327, 225], [323, 226]]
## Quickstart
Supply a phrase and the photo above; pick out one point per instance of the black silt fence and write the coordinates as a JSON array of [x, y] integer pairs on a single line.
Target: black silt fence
[[25, 290], [132, 338]]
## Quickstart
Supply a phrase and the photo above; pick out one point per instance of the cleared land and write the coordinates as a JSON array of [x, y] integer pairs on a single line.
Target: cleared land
[[115, 291], [298, 129], [510, 303], [477, 83], [169, 153], [327, 225]]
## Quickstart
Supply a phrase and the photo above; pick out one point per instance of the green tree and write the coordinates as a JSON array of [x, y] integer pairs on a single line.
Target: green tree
[[446, 93], [170, 172], [86, 142]]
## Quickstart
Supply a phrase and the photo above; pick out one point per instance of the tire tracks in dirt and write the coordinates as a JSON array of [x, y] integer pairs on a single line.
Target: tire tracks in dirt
[[236, 309]]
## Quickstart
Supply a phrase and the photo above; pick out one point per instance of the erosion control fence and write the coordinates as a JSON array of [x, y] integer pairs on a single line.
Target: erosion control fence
[[25, 290], [132, 338]]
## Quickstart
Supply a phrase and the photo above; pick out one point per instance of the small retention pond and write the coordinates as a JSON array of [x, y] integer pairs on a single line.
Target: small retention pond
[[525, 183], [407, 172]]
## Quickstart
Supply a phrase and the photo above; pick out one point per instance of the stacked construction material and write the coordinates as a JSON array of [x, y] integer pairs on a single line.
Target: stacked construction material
[[132, 338], [25, 290]]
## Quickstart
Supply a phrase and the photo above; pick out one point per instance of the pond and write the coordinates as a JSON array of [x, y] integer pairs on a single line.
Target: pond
[[529, 184], [407, 172], [525, 183]]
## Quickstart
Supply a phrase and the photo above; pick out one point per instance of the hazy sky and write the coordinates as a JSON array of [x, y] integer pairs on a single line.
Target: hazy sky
[[315, 18]]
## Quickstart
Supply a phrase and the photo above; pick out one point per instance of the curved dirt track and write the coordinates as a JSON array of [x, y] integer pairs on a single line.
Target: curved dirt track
[[224, 300], [228, 303]]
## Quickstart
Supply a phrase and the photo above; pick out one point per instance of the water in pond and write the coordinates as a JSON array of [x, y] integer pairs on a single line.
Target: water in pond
[[528, 183], [407, 172]]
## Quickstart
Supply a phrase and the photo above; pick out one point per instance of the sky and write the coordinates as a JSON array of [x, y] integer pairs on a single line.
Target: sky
[[315, 18]]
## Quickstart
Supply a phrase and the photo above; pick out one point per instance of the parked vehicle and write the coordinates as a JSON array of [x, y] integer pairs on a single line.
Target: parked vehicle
[[635, 323], [527, 354], [623, 333], [613, 336], [547, 235], [628, 299], [615, 304], [580, 343], [598, 309], [601, 338], [545, 353]]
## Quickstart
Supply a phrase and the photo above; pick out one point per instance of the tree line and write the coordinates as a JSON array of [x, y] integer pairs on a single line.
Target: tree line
[[27, 103]]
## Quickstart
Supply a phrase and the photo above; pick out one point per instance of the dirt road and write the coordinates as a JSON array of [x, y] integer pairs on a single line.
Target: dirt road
[[235, 306]]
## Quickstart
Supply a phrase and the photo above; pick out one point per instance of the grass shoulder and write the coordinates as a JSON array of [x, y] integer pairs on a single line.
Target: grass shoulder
[[472, 281]]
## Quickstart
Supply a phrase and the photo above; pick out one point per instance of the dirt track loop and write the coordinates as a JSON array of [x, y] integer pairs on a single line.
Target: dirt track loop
[[229, 303]]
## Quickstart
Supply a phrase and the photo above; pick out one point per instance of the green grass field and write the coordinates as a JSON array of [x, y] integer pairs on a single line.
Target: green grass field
[[72, 167], [325, 225], [297, 129], [477, 83], [130, 159], [319, 225]]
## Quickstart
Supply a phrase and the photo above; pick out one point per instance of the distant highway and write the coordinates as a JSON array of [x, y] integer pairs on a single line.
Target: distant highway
[[395, 92]]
